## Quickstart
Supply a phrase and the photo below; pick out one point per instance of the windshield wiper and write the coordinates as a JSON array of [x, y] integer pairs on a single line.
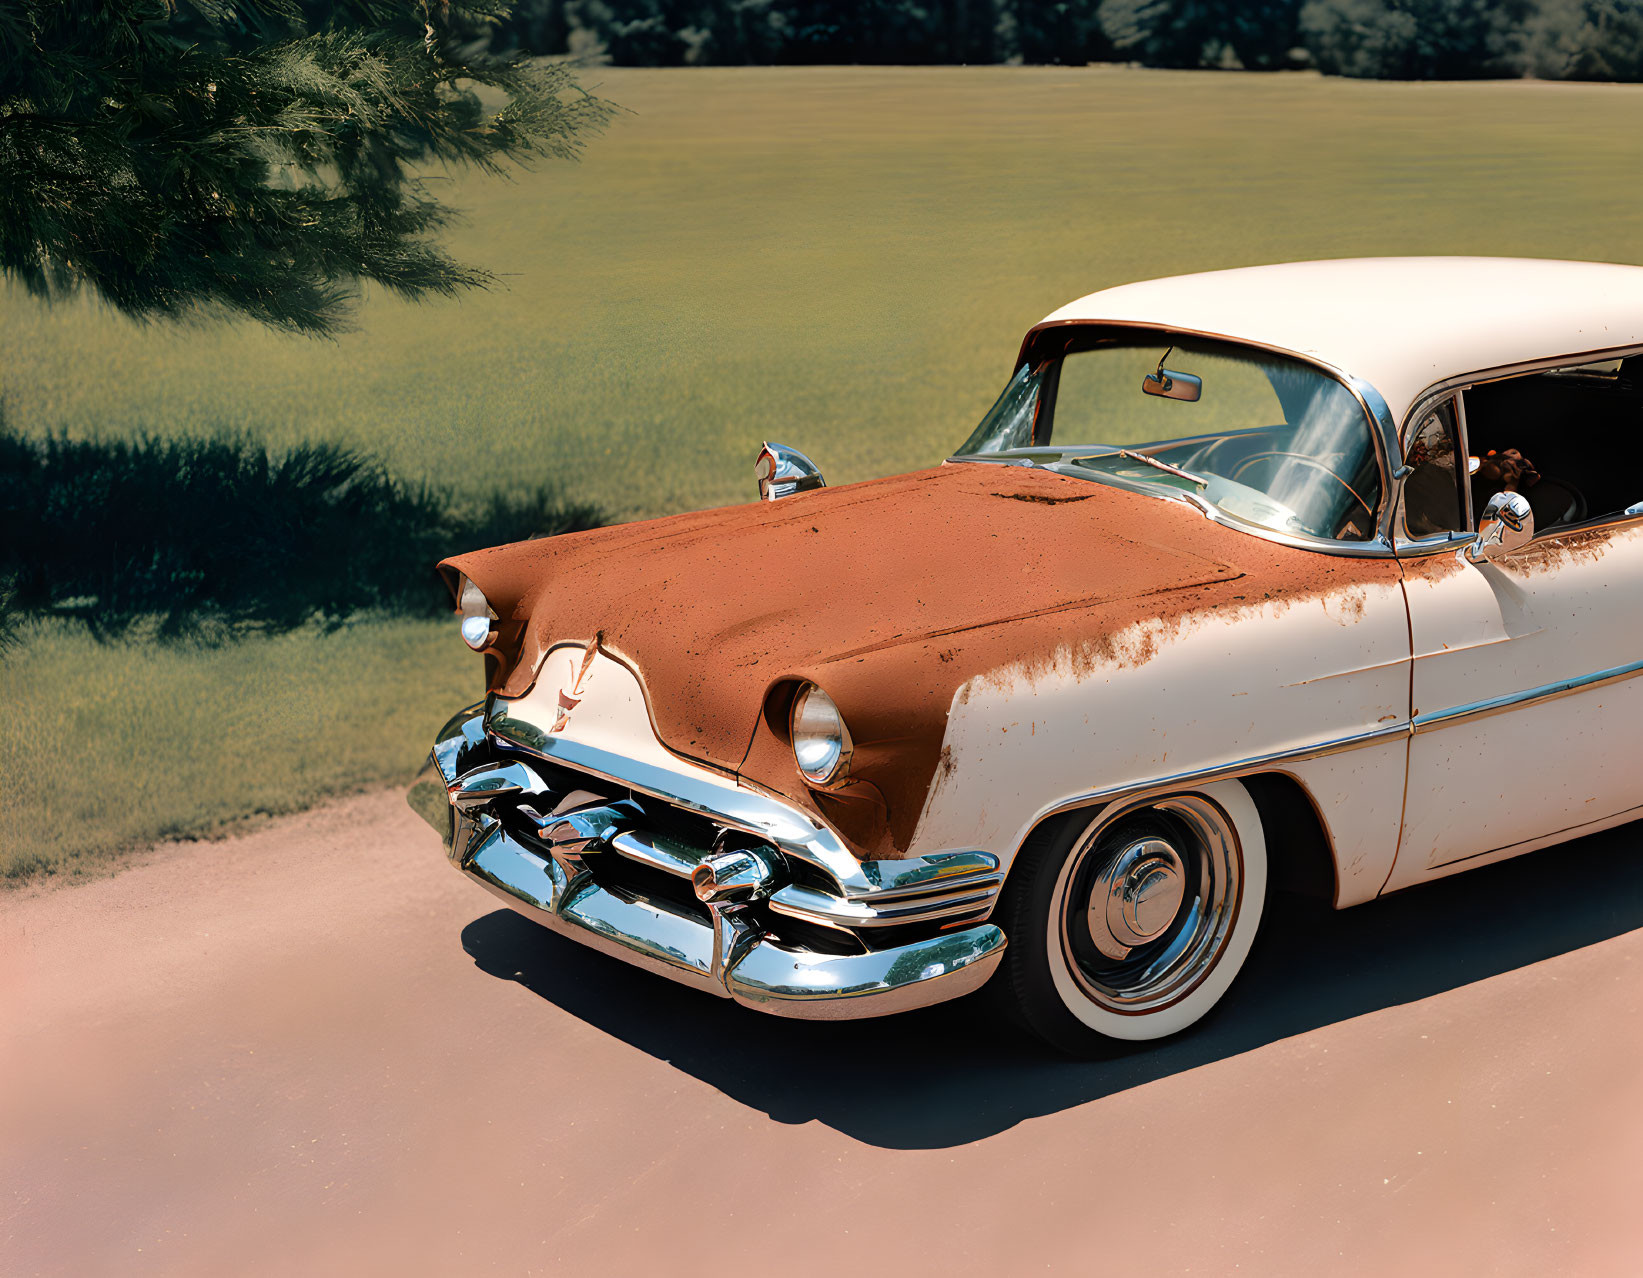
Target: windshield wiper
[[1150, 461]]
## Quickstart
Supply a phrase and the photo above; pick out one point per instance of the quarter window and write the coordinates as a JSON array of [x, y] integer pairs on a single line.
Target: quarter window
[[1432, 493]]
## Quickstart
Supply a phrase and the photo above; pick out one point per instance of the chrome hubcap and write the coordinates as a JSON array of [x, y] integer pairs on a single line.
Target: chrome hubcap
[[1136, 898], [1147, 902]]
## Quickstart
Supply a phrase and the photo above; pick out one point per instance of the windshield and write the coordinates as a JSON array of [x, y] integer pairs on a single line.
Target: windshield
[[1269, 440]]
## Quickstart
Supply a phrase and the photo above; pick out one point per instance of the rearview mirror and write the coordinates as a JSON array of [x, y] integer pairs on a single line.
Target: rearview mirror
[[1173, 385], [1507, 524]]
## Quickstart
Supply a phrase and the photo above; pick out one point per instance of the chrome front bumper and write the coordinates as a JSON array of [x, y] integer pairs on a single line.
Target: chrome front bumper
[[626, 865]]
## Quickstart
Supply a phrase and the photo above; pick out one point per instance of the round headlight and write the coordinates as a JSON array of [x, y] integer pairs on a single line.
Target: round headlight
[[478, 618], [475, 630], [821, 742]]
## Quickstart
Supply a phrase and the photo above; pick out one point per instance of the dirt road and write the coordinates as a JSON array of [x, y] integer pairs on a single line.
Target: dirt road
[[316, 1050]]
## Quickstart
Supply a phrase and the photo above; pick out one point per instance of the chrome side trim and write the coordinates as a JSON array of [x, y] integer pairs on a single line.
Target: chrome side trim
[[1224, 771], [1528, 697], [1337, 745], [1449, 543], [1437, 544]]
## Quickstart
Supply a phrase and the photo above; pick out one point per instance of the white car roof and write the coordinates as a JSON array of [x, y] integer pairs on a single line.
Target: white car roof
[[1399, 323]]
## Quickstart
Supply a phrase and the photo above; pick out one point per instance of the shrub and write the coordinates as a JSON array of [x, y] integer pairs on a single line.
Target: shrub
[[221, 534]]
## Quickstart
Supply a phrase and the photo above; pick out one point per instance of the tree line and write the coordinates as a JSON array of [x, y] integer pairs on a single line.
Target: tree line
[[1378, 39], [268, 157]]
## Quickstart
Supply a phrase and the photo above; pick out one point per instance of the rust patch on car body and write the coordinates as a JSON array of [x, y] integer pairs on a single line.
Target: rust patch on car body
[[1045, 498], [1545, 554], [893, 595]]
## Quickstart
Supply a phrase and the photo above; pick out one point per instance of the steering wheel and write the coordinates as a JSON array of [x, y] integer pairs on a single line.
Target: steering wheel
[[1206, 458], [1550, 510], [1238, 472]]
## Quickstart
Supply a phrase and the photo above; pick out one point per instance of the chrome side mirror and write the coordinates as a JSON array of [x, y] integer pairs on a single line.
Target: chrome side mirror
[[783, 471], [1507, 524]]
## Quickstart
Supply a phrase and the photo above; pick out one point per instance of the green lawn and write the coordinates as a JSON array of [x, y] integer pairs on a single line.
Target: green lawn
[[103, 747], [841, 259]]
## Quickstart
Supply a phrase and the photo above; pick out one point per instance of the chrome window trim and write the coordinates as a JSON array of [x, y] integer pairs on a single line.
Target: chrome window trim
[[1467, 512], [1503, 372], [1383, 431], [1405, 541], [1449, 543], [1457, 541]]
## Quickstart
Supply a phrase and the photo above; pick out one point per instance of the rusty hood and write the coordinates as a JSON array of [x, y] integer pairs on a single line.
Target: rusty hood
[[890, 594]]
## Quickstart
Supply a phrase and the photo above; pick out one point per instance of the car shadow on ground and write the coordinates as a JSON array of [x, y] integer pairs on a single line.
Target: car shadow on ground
[[953, 1074]]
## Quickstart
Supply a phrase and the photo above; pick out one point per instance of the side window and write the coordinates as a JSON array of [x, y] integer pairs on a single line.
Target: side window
[[1432, 494], [1557, 437]]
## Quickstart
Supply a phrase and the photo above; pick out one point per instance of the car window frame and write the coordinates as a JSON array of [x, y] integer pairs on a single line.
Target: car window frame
[[1382, 427], [1400, 523], [1410, 547]]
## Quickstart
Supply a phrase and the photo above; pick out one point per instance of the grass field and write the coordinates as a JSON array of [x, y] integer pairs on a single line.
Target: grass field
[[108, 746], [841, 259]]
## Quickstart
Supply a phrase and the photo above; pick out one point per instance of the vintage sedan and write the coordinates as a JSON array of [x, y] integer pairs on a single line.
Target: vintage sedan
[[1326, 575]]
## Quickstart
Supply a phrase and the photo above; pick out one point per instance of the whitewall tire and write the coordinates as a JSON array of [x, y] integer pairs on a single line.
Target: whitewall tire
[[1131, 924]]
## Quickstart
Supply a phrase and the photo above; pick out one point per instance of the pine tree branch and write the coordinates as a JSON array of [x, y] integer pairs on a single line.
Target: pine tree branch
[[239, 155]]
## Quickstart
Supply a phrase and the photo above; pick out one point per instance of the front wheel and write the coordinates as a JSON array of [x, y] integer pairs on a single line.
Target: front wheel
[[1132, 925]]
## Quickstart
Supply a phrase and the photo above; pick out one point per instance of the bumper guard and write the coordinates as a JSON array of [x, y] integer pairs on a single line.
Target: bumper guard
[[525, 830]]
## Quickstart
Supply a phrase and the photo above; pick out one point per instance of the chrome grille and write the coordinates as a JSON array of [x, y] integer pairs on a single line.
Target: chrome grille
[[581, 819]]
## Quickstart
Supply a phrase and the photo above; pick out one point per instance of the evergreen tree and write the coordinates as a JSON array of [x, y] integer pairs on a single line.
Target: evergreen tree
[[1057, 31], [1586, 40], [263, 156], [1416, 39], [1195, 33]]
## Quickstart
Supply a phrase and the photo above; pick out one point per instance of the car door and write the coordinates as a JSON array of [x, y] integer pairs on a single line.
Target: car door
[[1527, 722]]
